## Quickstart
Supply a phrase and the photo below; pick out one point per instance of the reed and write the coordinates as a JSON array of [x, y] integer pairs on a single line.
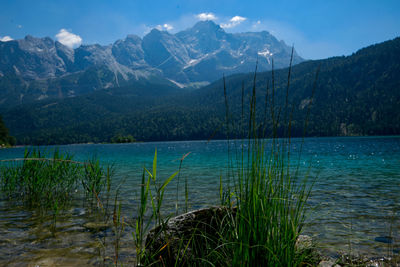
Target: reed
[[44, 181], [141, 226], [94, 178], [156, 218], [262, 213], [39, 181], [269, 212], [266, 204]]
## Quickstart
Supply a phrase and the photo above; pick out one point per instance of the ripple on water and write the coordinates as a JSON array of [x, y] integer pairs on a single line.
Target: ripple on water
[[355, 198]]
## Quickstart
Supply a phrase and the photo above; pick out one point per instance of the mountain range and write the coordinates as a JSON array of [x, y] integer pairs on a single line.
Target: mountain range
[[357, 94], [33, 69]]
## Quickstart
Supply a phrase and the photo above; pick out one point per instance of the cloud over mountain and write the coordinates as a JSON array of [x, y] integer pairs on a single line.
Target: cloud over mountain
[[206, 16], [233, 22], [68, 38], [165, 27], [6, 38]]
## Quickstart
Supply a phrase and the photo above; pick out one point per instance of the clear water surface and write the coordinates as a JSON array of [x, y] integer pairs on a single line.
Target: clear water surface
[[355, 197]]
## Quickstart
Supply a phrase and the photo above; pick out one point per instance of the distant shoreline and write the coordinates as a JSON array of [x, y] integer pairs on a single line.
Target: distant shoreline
[[212, 140]]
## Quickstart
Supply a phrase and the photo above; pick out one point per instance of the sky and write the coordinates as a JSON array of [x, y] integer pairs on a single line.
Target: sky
[[317, 28]]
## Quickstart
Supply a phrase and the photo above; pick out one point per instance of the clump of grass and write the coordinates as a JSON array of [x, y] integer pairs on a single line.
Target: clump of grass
[[262, 214], [49, 183], [186, 207], [141, 227], [94, 178], [118, 228], [265, 208], [156, 218], [40, 181], [269, 212], [44, 181], [267, 203]]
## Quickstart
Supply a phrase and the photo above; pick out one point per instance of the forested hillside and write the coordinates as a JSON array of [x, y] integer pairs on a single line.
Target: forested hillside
[[354, 95], [5, 138]]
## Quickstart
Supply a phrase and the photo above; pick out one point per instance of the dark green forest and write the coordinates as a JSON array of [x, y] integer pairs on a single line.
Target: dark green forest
[[354, 95], [5, 138]]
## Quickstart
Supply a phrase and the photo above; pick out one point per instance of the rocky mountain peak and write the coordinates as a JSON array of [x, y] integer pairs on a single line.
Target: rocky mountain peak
[[197, 55], [129, 52], [206, 26], [34, 44], [133, 38]]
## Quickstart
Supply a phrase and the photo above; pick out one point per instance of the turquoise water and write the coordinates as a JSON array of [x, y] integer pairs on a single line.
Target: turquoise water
[[355, 196]]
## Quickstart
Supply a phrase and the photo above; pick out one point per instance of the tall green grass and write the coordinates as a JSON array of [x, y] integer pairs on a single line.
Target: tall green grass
[[44, 181], [266, 204], [151, 194], [268, 214], [263, 201], [40, 181]]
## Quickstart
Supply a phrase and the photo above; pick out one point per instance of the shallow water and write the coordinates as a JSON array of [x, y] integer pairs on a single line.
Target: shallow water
[[355, 198]]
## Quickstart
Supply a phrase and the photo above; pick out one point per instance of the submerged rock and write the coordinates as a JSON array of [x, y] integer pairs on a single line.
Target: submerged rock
[[96, 226]]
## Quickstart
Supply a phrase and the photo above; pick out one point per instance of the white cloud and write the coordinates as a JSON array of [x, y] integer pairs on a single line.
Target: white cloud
[[233, 22], [206, 16], [68, 38], [164, 27], [6, 38], [238, 19], [168, 27]]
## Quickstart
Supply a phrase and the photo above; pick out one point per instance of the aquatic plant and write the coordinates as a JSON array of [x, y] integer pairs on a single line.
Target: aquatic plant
[[156, 218], [263, 210], [46, 182], [268, 201], [142, 227], [269, 212], [40, 181], [94, 177]]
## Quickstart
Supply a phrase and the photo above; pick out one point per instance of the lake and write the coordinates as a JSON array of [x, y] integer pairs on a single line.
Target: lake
[[355, 199]]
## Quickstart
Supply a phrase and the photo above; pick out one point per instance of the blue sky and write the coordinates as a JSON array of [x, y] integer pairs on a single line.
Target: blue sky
[[318, 29]]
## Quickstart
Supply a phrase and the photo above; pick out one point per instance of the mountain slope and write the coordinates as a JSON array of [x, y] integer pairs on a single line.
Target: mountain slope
[[355, 95], [35, 68], [34, 58]]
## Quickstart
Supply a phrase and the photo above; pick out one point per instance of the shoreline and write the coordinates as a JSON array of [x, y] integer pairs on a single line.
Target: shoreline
[[212, 140]]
